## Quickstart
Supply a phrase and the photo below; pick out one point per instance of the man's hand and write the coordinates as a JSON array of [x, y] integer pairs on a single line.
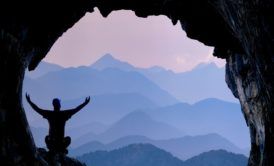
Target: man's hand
[[87, 100], [84, 103], [35, 107], [75, 110], [28, 97]]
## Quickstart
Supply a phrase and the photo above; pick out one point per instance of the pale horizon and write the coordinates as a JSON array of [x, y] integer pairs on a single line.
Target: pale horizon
[[142, 42]]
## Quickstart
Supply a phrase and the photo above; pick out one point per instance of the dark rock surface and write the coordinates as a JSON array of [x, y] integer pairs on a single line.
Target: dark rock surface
[[58, 160], [241, 31]]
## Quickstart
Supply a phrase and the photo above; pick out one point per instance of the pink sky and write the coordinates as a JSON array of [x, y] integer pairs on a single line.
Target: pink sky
[[143, 42]]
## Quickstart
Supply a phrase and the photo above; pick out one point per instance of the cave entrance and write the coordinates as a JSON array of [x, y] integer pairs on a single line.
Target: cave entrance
[[140, 73]]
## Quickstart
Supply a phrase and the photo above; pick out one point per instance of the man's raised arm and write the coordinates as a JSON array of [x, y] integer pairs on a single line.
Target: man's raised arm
[[78, 108], [35, 107]]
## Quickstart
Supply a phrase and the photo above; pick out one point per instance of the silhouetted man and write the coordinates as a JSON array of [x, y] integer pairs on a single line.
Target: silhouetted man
[[55, 141]]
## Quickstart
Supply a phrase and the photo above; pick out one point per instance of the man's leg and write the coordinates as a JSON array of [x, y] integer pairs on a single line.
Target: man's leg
[[66, 143], [50, 144]]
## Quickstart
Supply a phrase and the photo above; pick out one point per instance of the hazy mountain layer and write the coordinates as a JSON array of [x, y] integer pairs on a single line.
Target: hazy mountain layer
[[132, 155], [217, 158], [42, 69], [149, 155], [135, 123], [183, 148], [72, 83], [204, 81], [206, 116]]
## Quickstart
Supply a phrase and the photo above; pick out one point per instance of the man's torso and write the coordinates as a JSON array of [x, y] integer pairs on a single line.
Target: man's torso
[[57, 122]]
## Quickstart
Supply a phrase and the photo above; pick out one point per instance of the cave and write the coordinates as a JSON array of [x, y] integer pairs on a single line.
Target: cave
[[240, 32]]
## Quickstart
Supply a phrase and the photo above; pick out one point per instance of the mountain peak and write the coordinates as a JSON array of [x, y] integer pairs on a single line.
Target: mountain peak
[[108, 61], [107, 56]]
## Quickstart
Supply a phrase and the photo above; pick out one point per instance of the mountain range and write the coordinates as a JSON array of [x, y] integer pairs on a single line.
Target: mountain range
[[217, 158], [190, 86], [135, 123], [204, 81], [149, 155], [193, 119], [42, 69], [73, 83], [182, 147], [118, 90], [206, 116]]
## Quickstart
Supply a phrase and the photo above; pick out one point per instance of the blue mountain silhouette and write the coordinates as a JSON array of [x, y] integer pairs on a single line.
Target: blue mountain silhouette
[[204, 81]]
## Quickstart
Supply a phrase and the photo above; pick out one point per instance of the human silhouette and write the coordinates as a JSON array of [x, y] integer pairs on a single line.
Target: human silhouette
[[55, 140]]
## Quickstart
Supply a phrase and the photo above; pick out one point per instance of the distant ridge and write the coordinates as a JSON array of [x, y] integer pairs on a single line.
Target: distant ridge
[[140, 123], [183, 147], [217, 158], [149, 155], [135, 123], [132, 155], [42, 69], [185, 86], [204, 81], [206, 116], [71, 83]]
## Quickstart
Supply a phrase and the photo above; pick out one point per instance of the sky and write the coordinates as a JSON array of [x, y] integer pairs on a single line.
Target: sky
[[143, 42]]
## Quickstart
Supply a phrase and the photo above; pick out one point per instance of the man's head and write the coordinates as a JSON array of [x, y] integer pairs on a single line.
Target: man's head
[[56, 104]]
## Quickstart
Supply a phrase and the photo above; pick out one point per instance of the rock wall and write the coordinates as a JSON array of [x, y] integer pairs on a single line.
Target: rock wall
[[16, 144], [249, 74], [27, 31], [242, 80], [241, 32]]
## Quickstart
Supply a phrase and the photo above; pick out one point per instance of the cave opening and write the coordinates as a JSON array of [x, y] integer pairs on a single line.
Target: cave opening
[[240, 31], [137, 53]]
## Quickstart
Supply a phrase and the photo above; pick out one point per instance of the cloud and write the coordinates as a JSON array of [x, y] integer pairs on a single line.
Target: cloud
[[180, 60]]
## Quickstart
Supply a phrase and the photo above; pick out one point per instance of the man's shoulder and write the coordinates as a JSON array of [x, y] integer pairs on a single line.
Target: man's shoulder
[[47, 113]]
